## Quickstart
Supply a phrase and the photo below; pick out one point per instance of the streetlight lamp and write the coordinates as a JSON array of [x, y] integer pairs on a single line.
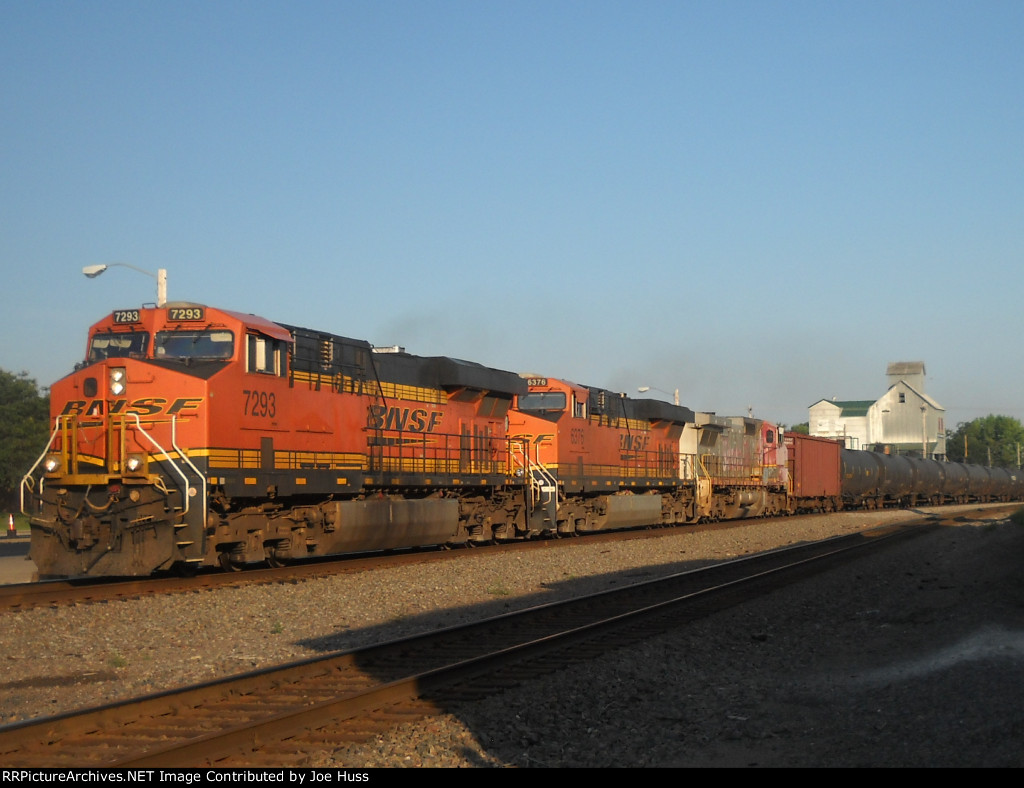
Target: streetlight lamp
[[92, 271], [675, 396]]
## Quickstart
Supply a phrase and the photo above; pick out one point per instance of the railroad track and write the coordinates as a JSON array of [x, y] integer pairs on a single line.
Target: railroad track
[[79, 591], [54, 593], [273, 717]]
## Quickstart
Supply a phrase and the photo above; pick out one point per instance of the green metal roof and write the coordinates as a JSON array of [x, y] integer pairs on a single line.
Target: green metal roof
[[851, 408]]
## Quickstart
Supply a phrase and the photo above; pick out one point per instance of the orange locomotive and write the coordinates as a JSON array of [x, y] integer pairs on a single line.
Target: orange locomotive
[[194, 436], [599, 460]]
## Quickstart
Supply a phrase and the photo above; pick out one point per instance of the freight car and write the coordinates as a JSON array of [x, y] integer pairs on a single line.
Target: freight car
[[192, 436], [825, 476]]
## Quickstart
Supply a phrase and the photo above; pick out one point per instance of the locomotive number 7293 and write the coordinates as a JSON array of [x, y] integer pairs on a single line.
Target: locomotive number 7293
[[260, 403]]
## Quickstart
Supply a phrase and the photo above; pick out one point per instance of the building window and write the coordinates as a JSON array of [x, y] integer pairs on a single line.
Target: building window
[[903, 397]]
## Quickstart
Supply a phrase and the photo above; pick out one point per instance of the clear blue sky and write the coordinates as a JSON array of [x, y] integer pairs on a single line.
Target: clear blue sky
[[758, 203]]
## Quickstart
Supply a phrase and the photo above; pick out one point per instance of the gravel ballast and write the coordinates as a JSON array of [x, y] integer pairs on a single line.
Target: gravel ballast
[[911, 658]]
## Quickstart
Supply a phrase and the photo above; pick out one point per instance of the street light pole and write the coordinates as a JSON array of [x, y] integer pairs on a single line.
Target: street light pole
[[161, 286], [675, 396], [92, 271], [924, 432]]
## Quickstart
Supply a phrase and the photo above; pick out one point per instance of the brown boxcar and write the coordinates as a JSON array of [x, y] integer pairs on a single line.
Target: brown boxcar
[[815, 479]]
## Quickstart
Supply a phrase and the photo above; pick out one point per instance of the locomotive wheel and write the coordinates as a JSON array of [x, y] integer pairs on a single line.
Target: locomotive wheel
[[227, 563]]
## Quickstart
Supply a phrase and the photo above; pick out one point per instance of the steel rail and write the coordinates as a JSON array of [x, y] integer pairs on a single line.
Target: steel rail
[[53, 593], [247, 712]]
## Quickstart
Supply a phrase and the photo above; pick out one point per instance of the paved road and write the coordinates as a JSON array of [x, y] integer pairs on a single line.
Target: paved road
[[15, 567]]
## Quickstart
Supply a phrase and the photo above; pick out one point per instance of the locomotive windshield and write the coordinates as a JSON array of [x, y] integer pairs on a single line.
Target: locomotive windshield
[[194, 344], [119, 345], [542, 400]]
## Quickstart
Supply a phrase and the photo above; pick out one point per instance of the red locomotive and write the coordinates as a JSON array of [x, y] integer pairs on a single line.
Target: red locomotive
[[192, 436]]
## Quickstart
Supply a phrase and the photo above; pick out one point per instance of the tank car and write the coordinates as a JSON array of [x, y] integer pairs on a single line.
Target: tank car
[[1004, 483], [954, 487], [875, 479], [929, 482], [862, 479], [193, 436]]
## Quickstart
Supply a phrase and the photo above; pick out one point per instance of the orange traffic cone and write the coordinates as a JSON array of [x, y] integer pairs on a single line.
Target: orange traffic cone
[[11, 530]]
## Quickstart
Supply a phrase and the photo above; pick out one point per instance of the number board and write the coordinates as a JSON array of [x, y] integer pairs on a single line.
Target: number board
[[186, 313], [536, 381], [127, 316]]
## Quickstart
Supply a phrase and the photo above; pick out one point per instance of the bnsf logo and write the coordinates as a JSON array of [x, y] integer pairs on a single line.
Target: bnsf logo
[[147, 406], [634, 442], [413, 420]]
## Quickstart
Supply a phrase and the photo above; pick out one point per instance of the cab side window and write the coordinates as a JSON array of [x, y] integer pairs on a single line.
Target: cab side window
[[264, 355]]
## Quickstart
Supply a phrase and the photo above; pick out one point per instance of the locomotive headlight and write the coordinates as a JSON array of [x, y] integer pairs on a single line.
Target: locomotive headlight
[[136, 463], [52, 464], [117, 381]]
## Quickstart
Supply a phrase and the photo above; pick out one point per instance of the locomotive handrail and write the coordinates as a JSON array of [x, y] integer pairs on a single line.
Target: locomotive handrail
[[529, 466], [187, 459], [46, 450], [167, 456]]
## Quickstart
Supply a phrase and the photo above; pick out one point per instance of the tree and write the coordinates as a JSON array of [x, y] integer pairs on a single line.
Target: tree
[[24, 428], [990, 440]]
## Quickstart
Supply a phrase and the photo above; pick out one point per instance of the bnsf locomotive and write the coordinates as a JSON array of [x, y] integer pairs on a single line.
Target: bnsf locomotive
[[193, 436]]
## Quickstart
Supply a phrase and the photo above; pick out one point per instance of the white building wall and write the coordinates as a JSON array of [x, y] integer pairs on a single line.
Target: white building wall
[[825, 420], [903, 415]]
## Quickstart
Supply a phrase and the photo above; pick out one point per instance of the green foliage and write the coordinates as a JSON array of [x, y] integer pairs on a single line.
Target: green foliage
[[803, 429], [990, 440], [24, 428]]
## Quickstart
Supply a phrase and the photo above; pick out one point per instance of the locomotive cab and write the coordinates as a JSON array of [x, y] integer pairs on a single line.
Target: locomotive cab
[[122, 487]]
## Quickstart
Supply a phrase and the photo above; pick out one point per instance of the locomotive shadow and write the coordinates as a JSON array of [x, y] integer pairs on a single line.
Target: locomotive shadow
[[506, 730], [489, 746]]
